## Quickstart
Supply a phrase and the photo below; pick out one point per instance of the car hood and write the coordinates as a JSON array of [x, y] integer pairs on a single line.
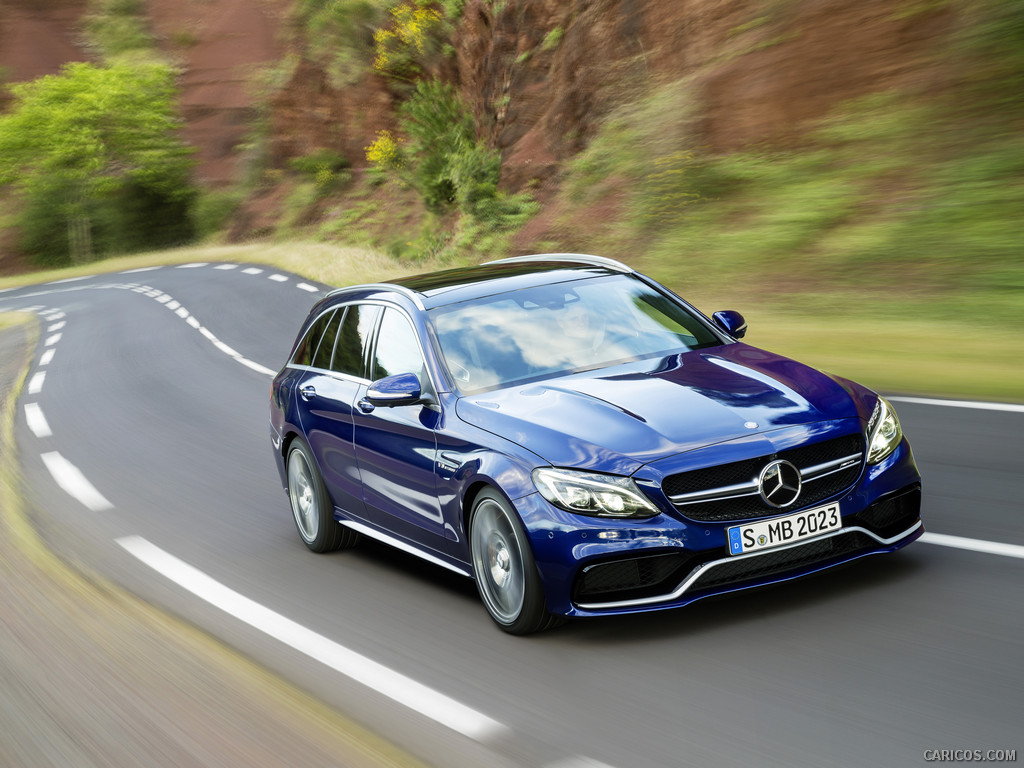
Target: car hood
[[618, 419]]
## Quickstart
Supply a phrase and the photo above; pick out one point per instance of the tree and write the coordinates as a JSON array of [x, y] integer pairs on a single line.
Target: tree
[[96, 150]]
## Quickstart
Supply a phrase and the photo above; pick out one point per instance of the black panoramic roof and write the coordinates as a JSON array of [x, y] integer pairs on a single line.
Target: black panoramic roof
[[451, 286], [513, 273]]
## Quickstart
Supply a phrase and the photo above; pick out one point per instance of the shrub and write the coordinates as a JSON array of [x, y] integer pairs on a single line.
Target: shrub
[[451, 170], [401, 50], [325, 168], [439, 128], [339, 34], [212, 211]]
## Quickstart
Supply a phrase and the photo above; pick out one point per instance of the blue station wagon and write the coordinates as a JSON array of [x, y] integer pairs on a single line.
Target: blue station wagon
[[579, 441]]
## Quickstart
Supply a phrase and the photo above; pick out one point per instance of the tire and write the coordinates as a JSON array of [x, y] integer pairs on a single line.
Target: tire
[[311, 506], [506, 573]]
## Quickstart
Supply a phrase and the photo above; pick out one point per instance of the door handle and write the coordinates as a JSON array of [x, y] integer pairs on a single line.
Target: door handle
[[308, 392], [365, 406]]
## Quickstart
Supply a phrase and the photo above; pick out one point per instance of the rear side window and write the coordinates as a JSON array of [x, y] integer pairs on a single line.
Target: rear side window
[[354, 339], [324, 351], [307, 347]]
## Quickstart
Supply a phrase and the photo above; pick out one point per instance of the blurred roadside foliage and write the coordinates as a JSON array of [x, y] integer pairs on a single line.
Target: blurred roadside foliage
[[454, 172], [339, 34], [900, 205], [96, 161]]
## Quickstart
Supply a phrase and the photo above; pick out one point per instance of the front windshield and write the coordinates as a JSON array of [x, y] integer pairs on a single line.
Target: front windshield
[[550, 330]]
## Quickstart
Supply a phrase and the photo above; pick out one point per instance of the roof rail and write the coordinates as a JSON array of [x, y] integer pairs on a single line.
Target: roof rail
[[411, 294], [582, 258]]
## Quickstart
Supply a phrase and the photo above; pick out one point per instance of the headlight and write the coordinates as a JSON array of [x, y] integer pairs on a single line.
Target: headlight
[[586, 493], [884, 432]]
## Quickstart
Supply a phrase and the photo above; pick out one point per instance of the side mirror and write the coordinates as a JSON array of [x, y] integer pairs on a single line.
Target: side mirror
[[731, 322], [392, 391]]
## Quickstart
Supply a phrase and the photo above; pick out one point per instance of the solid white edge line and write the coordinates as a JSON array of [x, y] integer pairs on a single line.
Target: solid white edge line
[[975, 545], [405, 690], [71, 479], [36, 420], [35, 384], [140, 269], [977, 404], [69, 280]]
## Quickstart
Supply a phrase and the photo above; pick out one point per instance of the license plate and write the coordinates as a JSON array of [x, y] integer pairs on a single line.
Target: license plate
[[765, 534]]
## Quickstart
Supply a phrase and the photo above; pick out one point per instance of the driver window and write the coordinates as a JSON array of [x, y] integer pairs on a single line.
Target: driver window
[[398, 350]]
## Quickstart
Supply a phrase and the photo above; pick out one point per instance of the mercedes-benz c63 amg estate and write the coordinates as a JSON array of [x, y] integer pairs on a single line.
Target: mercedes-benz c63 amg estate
[[579, 441]]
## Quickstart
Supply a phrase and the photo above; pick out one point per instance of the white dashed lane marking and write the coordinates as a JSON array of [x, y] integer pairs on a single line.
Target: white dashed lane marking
[[37, 421], [51, 340], [35, 384], [71, 480], [46, 357], [252, 271], [278, 278]]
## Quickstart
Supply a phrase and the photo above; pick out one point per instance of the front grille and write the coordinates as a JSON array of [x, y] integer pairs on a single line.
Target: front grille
[[750, 505], [780, 561]]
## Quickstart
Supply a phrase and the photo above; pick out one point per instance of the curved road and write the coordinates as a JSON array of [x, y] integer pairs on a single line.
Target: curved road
[[144, 442]]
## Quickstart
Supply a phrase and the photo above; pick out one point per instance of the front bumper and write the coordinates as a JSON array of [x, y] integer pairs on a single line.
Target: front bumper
[[597, 566]]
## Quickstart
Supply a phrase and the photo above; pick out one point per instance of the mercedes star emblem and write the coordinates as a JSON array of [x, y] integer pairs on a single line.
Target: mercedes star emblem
[[780, 483]]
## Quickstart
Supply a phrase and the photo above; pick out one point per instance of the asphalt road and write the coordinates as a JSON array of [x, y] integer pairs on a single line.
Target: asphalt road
[[162, 415]]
